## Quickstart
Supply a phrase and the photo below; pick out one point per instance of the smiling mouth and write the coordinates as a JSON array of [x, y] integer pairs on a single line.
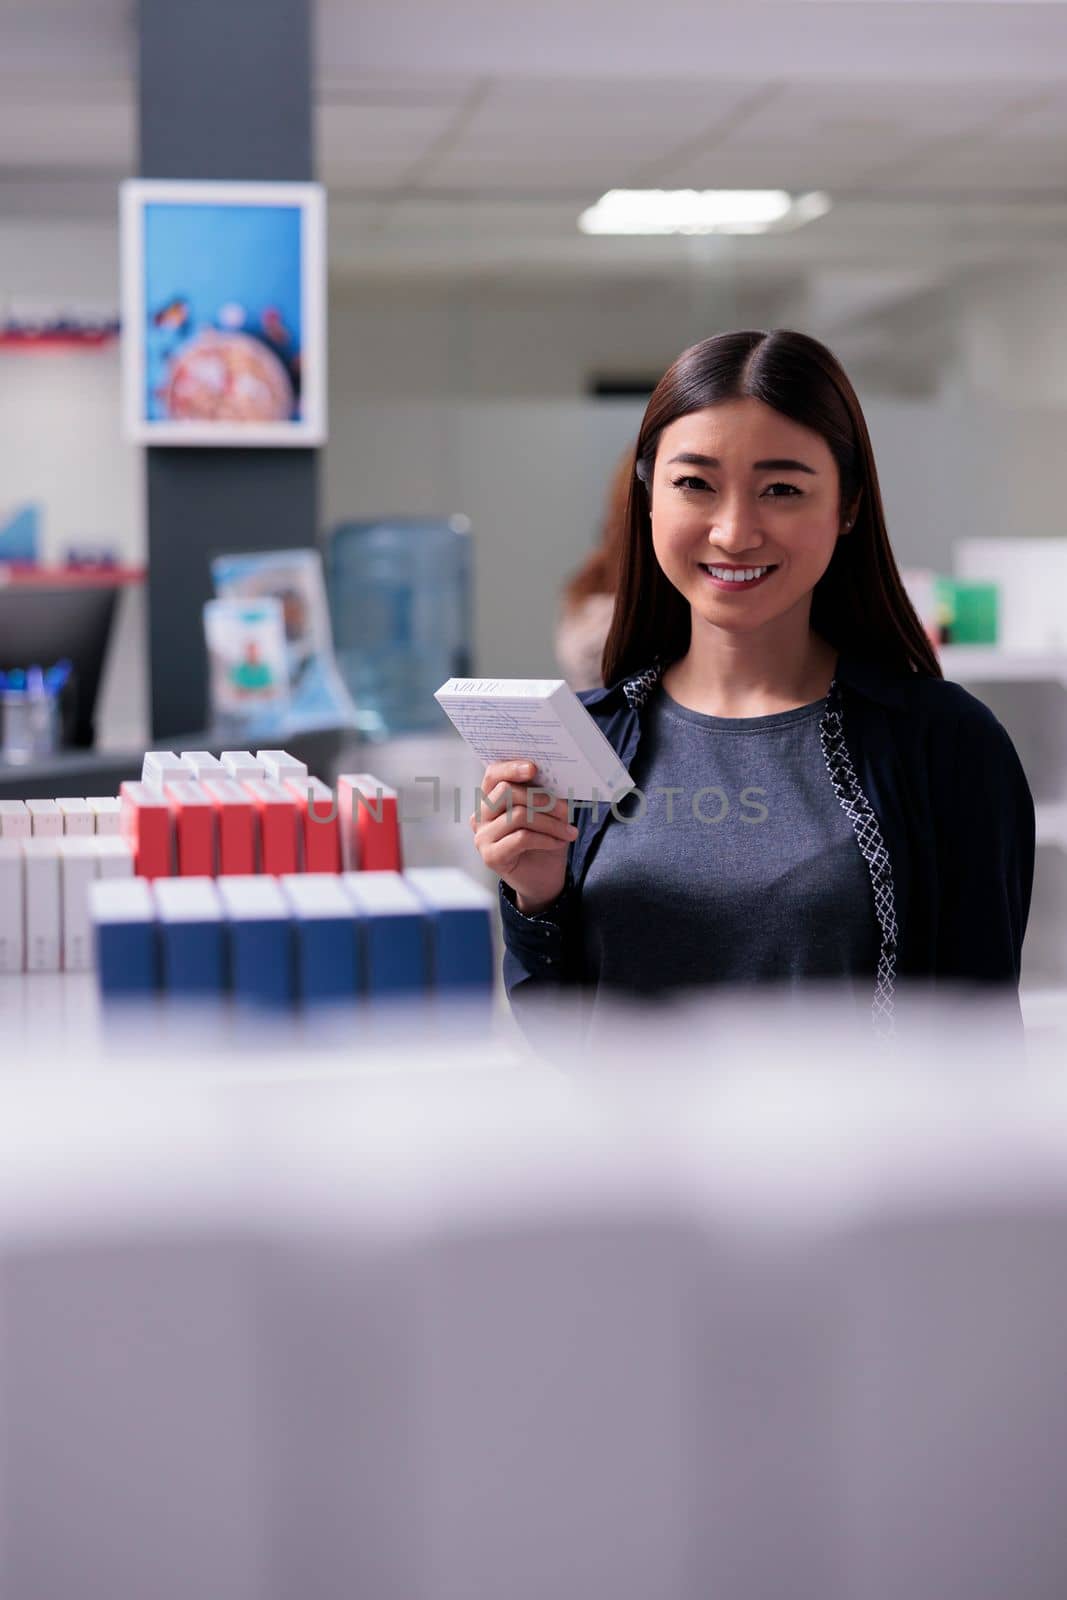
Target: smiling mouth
[[724, 583]]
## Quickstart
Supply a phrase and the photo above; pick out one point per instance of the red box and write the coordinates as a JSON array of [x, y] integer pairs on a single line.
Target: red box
[[145, 820], [236, 818], [370, 826], [195, 827], [277, 812], [317, 810]]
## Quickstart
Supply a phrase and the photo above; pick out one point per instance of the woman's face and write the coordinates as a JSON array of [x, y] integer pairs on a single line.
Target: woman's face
[[739, 485]]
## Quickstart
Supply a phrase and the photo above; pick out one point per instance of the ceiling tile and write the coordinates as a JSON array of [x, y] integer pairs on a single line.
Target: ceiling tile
[[385, 177], [348, 134], [1044, 118], [781, 166], [1021, 165], [334, 87], [873, 111], [517, 101], [80, 136], [817, 41], [534, 172]]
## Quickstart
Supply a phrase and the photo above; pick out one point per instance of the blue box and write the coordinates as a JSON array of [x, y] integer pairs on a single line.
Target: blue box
[[123, 913], [262, 942], [328, 939], [461, 937], [192, 936], [395, 943]]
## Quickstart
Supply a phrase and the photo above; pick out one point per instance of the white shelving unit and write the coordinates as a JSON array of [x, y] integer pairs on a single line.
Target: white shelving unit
[[1027, 690]]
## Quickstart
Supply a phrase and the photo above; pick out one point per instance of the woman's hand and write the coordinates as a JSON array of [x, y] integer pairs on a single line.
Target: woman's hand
[[528, 849]]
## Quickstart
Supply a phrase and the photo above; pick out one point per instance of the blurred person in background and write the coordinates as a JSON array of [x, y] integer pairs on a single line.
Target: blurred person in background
[[813, 799], [588, 599]]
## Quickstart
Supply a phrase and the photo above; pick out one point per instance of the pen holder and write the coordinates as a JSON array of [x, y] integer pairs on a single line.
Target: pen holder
[[29, 726]]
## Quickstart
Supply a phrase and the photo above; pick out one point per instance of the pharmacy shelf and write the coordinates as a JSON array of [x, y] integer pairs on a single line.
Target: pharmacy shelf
[[1023, 687], [988, 663], [991, 664], [1051, 823]]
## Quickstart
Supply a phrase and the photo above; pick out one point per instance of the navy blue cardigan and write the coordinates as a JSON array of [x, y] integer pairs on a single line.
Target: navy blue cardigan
[[940, 807]]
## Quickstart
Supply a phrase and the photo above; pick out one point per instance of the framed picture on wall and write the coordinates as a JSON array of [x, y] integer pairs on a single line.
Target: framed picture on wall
[[224, 313]]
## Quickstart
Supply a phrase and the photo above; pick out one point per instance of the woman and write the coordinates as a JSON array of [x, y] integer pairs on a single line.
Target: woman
[[816, 801], [588, 600]]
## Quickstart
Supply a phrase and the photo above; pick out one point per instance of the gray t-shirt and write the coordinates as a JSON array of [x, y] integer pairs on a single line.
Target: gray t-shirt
[[750, 871]]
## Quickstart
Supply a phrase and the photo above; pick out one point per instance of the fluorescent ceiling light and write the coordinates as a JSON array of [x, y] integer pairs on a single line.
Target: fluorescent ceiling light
[[701, 211]]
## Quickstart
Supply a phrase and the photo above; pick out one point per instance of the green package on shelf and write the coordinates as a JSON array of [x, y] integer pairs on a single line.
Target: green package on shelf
[[969, 610]]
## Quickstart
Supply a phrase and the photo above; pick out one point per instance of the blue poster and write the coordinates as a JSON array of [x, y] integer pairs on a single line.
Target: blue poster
[[223, 306]]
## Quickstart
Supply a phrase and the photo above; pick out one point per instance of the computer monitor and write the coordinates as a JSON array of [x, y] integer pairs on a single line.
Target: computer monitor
[[42, 624]]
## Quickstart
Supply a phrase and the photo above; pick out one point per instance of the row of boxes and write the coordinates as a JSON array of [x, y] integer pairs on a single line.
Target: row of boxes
[[222, 826], [277, 765], [66, 817], [226, 827], [193, 815], [299, 939], [44, 898]]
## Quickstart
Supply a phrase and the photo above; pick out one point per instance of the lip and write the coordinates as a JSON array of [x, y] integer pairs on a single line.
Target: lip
[[729, 584]]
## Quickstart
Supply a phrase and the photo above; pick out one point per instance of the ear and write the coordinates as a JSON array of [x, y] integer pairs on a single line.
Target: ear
[[848, 516]]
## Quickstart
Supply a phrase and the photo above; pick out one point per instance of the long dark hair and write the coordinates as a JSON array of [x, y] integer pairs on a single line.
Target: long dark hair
[[859, 605]]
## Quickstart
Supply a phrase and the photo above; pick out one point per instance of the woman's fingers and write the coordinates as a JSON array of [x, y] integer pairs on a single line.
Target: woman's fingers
[[504, 855], [539, 823], [534, 800], [525, 804], [508, 772]]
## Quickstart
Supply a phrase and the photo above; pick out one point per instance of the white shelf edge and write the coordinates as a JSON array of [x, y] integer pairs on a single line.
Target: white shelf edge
[[989, 663]]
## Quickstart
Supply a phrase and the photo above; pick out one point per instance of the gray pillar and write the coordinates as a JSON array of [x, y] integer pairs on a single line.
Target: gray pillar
[[225, 93]]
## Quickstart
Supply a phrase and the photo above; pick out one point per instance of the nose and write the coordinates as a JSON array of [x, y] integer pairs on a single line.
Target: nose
[[734, 527]]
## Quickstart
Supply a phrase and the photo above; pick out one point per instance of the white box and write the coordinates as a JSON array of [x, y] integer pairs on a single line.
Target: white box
[[114, 857], [107, 812], [251, 897], [46, 819], [382, 894], [12, 929], [279, 765], [79, 820], [202, 764], [187, 900], [15, 821], [316, 894], [449, 889], [78, 869], [159, 765], [537, 719], [43, 903], [242, 764], [118, 900]]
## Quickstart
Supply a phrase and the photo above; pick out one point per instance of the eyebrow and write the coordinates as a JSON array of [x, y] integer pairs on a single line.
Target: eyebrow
[[692, 460]]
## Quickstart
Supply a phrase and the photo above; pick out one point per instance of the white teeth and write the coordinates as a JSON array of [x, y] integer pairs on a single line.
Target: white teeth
[[737, 575]]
